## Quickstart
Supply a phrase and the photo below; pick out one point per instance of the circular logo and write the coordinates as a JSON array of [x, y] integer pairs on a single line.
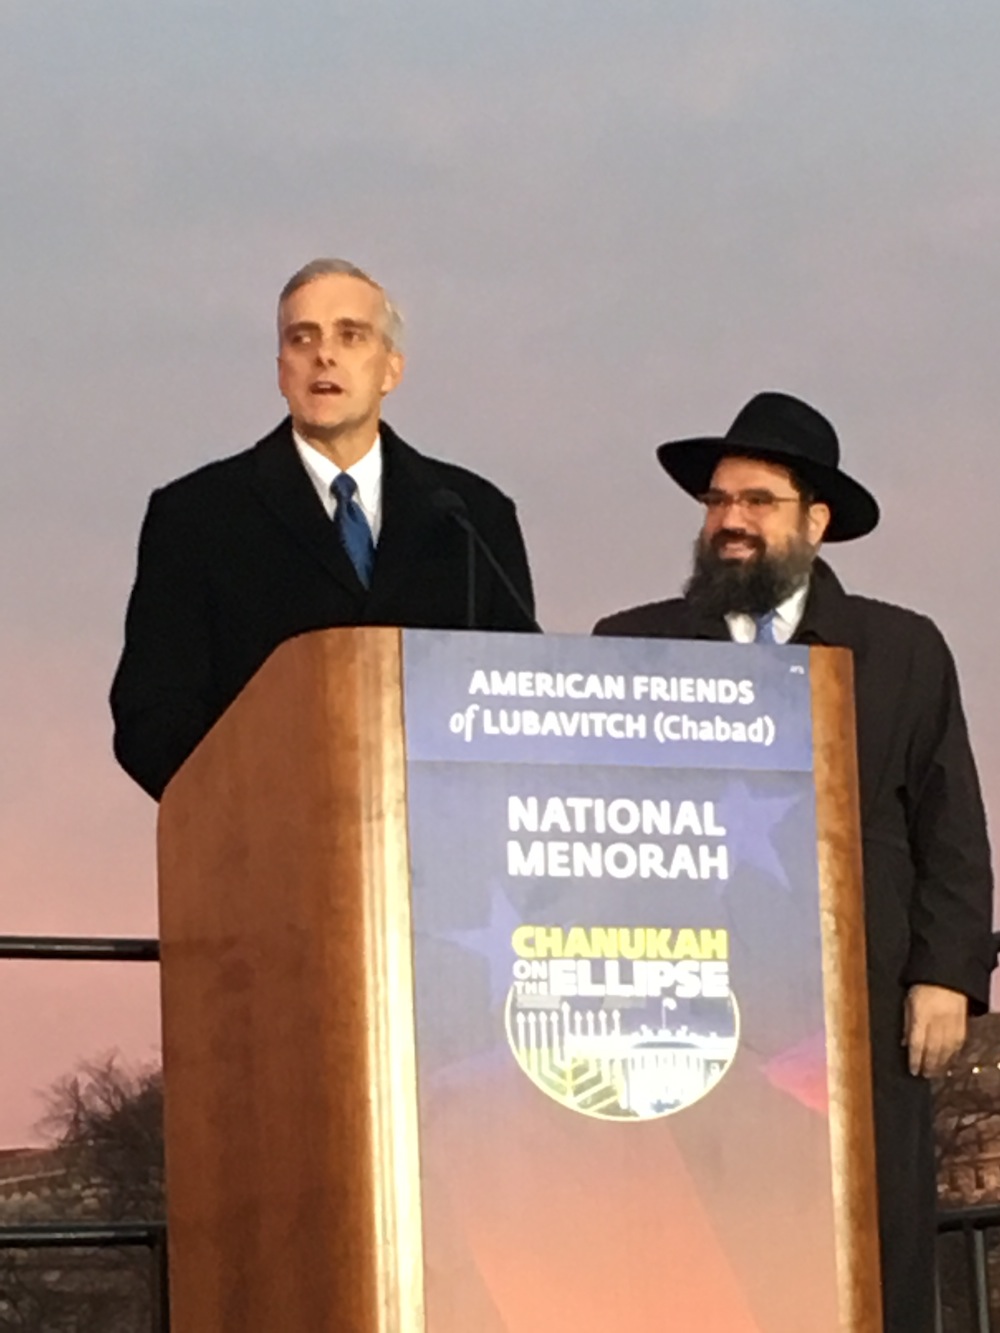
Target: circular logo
[[620, 1040]]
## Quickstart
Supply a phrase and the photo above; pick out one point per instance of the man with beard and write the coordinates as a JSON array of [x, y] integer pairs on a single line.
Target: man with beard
[[773, 491]]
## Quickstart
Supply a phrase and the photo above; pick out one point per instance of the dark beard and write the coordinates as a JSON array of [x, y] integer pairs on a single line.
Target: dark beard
[[750, 587]]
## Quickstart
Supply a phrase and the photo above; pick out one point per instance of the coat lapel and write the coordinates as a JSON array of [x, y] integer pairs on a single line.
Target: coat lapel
[[704, 626], [827, 617], [282, 484], [829, 620], [408, 482]]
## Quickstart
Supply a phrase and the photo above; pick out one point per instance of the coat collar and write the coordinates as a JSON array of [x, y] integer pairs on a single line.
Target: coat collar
[[408, 482], [829, 616]]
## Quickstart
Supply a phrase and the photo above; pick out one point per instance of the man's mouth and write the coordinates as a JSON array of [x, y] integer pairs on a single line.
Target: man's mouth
[[325, 387], [729, 545]]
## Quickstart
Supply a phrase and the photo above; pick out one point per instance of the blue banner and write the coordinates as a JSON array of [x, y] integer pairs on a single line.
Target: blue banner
[[616, 922], [662, 703]]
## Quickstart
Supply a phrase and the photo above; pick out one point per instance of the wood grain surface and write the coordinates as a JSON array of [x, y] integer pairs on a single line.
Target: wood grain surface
[[291, 1116], [838, 827], [291, 1113]]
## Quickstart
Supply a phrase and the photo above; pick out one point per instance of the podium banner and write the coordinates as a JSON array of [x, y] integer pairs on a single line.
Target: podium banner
[[621, 1047]]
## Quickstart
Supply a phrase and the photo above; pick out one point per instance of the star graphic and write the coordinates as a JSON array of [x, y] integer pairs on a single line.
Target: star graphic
[[492, 942], [751, 822], [801, 1071]]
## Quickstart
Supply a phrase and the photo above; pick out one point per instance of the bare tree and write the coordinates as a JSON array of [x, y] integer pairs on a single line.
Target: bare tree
[[104, 1126], [109, 1118]]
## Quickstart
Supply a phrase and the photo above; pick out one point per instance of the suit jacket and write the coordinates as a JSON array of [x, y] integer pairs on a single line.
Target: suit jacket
[[927, 879], [240, 555]]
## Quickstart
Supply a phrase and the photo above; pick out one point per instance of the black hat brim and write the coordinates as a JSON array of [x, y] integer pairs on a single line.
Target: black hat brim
[[854, 511]]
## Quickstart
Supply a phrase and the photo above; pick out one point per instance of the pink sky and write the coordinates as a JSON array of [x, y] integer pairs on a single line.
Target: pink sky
[[608, 225]]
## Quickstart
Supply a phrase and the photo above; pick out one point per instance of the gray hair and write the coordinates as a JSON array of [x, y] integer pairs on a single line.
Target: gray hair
[[392, 318]]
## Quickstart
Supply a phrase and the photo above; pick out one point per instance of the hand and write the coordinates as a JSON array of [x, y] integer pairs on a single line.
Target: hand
[[934, 1027]]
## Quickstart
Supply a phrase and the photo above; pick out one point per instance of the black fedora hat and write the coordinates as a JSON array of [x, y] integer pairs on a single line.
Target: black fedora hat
[[780, 429]]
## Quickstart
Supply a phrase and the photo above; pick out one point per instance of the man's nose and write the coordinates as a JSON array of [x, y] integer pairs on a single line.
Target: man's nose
[[326, 351]]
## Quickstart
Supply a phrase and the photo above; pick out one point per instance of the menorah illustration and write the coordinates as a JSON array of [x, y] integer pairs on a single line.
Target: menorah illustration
[[583, 1058]]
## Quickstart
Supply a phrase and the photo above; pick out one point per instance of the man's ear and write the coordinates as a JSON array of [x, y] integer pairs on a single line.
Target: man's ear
[[817, 522], [394, 367]]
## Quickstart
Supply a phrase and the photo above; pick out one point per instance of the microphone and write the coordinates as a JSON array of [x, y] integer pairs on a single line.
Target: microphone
[[450, 504]]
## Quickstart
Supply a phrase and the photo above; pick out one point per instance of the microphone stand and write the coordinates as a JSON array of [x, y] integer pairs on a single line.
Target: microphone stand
[[451, 505], [470, 576]]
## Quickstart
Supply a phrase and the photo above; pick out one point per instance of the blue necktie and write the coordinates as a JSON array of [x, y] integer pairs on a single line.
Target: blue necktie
[[765, 627], [352, 527]]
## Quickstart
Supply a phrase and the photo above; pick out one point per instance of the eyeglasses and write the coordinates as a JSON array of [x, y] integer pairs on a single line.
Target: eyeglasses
[[756, 502]]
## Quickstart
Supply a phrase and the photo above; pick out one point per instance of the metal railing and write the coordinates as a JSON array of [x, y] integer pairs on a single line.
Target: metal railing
[[973, 1223], [151, 1236], [93, 1235], [71, 948]]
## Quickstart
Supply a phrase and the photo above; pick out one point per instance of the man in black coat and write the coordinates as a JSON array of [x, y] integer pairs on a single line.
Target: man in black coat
[[773, 490], [330, 520]]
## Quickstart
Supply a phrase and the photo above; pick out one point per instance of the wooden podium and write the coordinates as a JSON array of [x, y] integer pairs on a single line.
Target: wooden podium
[[297, 1167]]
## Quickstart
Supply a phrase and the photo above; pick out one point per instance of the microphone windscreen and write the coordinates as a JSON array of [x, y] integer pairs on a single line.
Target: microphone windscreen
[[449, 502]]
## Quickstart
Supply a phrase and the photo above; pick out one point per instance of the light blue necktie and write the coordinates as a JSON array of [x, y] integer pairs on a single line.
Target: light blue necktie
[[765, 627], [352, 527]]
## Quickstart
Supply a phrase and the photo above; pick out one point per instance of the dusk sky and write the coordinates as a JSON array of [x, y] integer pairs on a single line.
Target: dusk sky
[[608, 225]]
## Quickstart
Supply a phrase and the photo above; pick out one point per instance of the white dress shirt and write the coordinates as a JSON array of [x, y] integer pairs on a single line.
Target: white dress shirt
[[786, 619], [367, 472]]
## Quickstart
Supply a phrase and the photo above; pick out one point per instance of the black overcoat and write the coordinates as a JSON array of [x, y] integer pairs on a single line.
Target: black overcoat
[[927, 876], [241, 555]]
